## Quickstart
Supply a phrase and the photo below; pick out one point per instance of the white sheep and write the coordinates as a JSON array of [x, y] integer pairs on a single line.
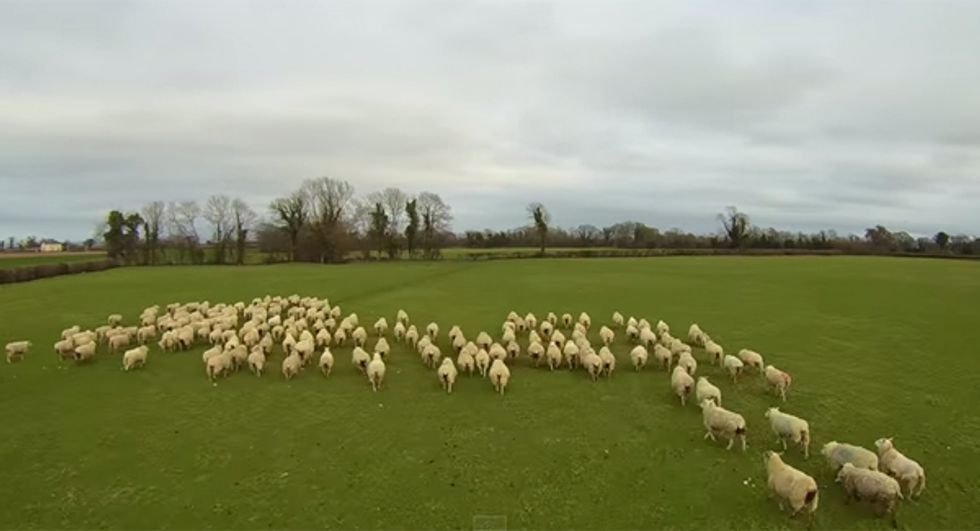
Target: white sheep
[[663, 356], [571, 353], [359, 336], [360, 359], [608, 361], [376, 372], [585, 320], [398, 331], [119, 341], [791, 485], [513, 350], [647, 337], [339, 338], [499, 376], [786, 426], [633, 322], [482, 359], [402, 317], [554, 356], [639, 356], [662, 328], [643, 324], [531, 321], [714, 351], [779, 380], [687, 361], [903, 469], [326, 362], [882, 490], [733, 365], [508, 337], [65, 348], [497, 352], [720, 421], [632, 333], [135, 357], [381, 327], [606, 335], [466, 361], [432, 330], [382, 347], [412, 336], [85, 352], [567, 320], [535, 351], [447, 374], [145, 334], [752, 359], [323, 337], [682, 383], [256, 361], [219, 365], [839, 453], [547, 328], [483, 340], [705, 390], [114, 319], [68, 332], [454, 332], [552, 318], [432, 354], [695, 335], [617, 319], [423, 343], [592, 363]]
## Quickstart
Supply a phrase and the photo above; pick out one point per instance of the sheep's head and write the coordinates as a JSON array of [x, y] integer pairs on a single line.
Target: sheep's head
[[884, 444], [845, 470], [771, 410], [829, 447], [707, 403]]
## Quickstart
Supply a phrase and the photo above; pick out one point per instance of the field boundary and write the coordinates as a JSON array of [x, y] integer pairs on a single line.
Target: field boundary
[[36, 272]]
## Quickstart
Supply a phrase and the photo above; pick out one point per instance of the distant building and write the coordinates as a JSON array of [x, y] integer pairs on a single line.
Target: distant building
[[51, 246]]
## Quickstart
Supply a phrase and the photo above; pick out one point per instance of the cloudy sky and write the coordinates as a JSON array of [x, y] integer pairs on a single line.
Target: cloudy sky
[[806, 115]]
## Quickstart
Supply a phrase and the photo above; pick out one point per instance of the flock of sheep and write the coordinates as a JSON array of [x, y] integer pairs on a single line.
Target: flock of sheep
[[244, 335]]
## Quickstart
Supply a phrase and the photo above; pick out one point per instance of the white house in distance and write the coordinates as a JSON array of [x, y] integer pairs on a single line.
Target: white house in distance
[[51, 246]]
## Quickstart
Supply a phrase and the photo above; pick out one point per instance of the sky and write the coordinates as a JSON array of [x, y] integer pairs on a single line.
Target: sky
[[806, 115]]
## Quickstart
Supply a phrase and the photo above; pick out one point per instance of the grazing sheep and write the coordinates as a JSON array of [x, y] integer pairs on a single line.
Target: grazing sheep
[[482, 359], [547, 328], [786, 426], [402, 317], [663, 357], [606, 335], [513, 350], [239, 356], [68, 332], [585, 320], [326, 362], [145, 334], [639, 357], [535, 351], [85, 352], [720, 421], [432, 354], [593, 364], [466, 361], [779, 380], [554, 356], [752, 359], [791, 485], [552, 318], [339, 338], [412, 336], [382, 347], [839, 453], [880, 489], [705, 390], [447, 374], [360, 359], [677, 347], [65, 349], [903, 469], [531, 321], [432, 330], [376, 372], [608, 361], [256, 361], [617, 319], [566, 320], [632, 333], [359, 336], [398, 331], [571, 352], [114, 320], [733, 365], [381, 327], [119, 341], [687, 361], [135, 357], [499, 376], [219, 365], [682, 383], [695, 335]]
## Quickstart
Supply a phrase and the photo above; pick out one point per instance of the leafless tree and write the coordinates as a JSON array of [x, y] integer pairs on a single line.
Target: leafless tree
[[217, 212], [153, 214], [330, 200], [292, 213], [244, 219], [541, 218], [736, 225], [182, 220], [435, 216], [393, 200]]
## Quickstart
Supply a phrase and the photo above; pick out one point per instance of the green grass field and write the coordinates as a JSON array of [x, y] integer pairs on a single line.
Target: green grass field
[[20, 259], [877, 347]]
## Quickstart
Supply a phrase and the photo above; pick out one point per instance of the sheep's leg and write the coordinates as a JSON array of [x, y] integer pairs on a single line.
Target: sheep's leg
[[743, 442], [783, 441], [731, 441]]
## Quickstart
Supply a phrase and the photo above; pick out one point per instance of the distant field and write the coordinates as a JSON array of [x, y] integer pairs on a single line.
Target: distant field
[[8, 260], [877, 347]]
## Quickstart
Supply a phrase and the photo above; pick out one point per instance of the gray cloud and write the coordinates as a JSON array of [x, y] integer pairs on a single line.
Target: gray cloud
[[807, 116]]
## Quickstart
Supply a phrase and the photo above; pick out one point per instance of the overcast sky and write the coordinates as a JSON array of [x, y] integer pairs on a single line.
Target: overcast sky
[[806, 115]]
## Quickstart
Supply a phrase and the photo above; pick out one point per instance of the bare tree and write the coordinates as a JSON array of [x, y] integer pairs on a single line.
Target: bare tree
[[736, 225], [292, 213], [153, 213], [182, 221], [541, 218], [436, 216], [217, 212], [329, 201], [393, 200], [244, 219]]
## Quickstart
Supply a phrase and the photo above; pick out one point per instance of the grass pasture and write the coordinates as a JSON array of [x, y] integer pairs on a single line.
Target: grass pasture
[[877, 347]]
